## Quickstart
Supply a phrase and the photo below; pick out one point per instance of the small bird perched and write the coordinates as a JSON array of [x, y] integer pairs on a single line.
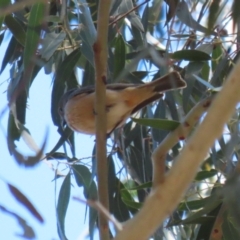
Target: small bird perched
[[76, 106]]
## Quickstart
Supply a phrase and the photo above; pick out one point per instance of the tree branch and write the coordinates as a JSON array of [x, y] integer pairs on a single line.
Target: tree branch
[[180, 133], [100, 58], [165, 197]]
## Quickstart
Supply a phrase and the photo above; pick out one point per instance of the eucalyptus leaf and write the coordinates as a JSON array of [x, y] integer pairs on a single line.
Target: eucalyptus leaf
[[190, 55], [16, 29], [163, 124], [62, 205], [50, 43]]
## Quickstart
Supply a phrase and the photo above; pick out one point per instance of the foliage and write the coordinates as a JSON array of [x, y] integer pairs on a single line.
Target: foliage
[[144, 42]]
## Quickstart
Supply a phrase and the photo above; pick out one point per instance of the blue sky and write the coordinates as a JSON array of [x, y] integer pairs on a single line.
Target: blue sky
[[36, 183]]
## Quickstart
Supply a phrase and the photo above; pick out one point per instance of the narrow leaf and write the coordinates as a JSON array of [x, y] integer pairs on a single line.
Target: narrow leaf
[[87, 34], [119, 56], [217, 54], [16, 29], [132, 204], [191, 55], [50, 43], [205, 174], [3, 3], [21, 198], [62, 205], [9, 53], [64, 77], [83, 178], [142, 186], [157, 123], [185, 16], [193, 205], [213, 13], [33, 33]]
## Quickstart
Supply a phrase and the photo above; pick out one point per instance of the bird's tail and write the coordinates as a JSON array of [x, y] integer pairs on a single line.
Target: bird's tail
[[173, 80], [146, 93]]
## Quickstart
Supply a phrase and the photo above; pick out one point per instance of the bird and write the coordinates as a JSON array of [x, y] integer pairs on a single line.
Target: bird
[[76, 106]]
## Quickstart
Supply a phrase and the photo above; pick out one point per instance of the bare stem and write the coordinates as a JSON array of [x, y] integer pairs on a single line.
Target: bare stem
[[100, 58], [180, 133]]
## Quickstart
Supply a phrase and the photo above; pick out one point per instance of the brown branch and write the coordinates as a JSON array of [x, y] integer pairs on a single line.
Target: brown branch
[[165, 197], [180, 133], [100, 58]]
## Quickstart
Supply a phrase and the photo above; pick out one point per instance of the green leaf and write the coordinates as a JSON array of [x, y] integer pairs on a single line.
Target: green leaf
[[132, 203], [142, 186], [216, 55], [88, 75], [126, 7], [62, 205], [33, 33], [87, 34], [13, 132], [205, 174], [159, 113], [3, 3], [9, 53], [117, 206], [185, 16], [16, 29], [193, 205], [120, 209], [82, 175], [190, 55], [64, 77], [205, 71], [50, 43], [235, 12], [119, 56], [128, 199], [83, 178], [158, 123], [213, 13], [65, 135], [154, 12], [211, 203], [206, 227]]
